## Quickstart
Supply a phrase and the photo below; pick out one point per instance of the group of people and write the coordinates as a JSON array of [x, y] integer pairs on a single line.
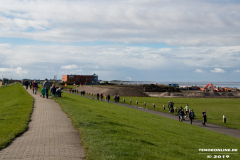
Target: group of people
[[116, 98], [45, 90], [107, 97], [76, 91], [32, 85], [185, 113]]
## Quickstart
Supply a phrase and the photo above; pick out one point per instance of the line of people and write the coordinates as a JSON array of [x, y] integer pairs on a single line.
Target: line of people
[[184, 113], [32, 85], [107, 97]]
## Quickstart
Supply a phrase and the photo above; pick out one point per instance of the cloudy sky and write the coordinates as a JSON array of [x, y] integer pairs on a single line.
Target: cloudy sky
[[145, 40]]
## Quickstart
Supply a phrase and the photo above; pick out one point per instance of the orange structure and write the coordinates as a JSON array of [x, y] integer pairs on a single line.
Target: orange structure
[[206, 87], [81, 79]]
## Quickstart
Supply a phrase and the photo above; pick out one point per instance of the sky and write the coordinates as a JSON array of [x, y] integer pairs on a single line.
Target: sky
[[130, 40]]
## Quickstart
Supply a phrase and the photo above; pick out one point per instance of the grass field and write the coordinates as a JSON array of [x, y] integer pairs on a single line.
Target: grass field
[[15, 110], [215, 107], [110, 131]]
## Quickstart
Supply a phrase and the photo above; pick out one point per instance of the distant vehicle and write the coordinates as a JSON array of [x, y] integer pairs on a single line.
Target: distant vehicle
[[174, 85], [206, 88]]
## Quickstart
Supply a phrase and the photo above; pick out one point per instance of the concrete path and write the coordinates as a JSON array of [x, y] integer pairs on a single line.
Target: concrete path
[[50, 135], [213, 127]]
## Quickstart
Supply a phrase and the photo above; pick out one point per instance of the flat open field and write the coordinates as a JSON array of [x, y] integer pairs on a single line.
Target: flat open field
[[110, 131], [15, 109]]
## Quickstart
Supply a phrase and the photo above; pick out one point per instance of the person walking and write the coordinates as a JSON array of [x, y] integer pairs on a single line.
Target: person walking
[[43, 92], [30, 85], [35, 86], [204, 115], [46, 86], [186, 110], [97, 96], [26, 84], [118, 98], [170, 107], [191, 115], [108, 97], [179, 113], [101, 95]]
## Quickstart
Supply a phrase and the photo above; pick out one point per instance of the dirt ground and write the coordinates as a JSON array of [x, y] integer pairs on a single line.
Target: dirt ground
[[111, 90], [134, 91]]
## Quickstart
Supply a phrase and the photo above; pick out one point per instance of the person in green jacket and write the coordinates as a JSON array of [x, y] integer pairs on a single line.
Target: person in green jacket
[[187, 110], [43, 92]]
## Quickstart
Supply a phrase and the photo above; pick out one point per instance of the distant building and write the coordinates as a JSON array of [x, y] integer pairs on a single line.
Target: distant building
[[174, 85], [81, 79]]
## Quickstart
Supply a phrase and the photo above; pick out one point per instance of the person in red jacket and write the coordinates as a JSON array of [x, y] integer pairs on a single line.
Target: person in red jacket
[[35, 87]]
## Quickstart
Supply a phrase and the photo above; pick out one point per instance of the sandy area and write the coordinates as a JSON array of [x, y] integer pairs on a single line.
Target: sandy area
[[112, 90]]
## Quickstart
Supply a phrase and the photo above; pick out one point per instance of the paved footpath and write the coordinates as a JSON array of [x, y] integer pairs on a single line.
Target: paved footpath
[[50, 135], [209, 126]]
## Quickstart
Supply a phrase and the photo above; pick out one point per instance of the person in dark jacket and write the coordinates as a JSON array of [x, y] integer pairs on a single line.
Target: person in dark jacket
[[97, 96], [26, 84], [179, 113], [204, 115], [46, 86], [53, 90], [108, 98], [191, 115], [58, 91], [170, 107], [30, 85]]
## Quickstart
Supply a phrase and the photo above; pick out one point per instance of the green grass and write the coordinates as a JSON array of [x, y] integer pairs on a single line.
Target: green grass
[[15, 110], [215, 107], [109, 131]]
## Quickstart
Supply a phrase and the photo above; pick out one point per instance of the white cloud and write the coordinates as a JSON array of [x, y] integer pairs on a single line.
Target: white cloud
[[123, 21], [199, 71], [18, 71], [69, 66], [6, 70], [129, 78], [218, 70], [238, 71]]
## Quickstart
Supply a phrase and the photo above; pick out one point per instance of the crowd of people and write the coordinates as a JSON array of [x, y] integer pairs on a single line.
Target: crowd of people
[[186, 113], [45, 89]]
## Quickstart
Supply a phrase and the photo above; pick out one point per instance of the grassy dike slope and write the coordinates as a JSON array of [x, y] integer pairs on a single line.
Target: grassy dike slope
[[109, 131], [16, 106]]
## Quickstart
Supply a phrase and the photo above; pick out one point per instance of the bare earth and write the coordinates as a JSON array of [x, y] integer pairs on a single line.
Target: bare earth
[[128, 91], [111, 90], [50, 135]]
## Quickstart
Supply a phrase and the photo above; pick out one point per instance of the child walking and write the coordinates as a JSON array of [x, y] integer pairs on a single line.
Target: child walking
[[43, 92], [53, 90]]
